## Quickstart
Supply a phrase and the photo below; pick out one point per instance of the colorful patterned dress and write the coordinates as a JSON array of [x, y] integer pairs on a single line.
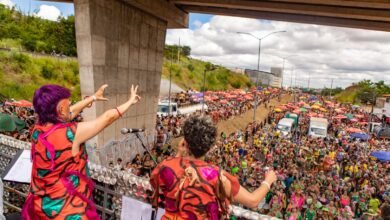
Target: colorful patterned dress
[[60, 184], [201, 201]]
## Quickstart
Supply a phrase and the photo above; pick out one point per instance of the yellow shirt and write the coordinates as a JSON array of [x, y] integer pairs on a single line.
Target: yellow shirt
[[332, 155]]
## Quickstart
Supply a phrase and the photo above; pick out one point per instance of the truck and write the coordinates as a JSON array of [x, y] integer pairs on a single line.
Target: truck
[[163, 108], [294, 117], [286, 126], [318, 127]]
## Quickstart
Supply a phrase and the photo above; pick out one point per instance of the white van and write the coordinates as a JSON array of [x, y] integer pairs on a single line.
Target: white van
[[318, 127], [162, 109], [285, 126]]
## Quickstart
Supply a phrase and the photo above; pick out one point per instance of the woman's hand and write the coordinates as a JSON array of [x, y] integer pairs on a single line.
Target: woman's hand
[[134, 98], [270, 177], [100, 93]]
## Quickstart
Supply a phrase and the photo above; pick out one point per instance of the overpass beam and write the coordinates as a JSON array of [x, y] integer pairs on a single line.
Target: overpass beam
[[120, 45]]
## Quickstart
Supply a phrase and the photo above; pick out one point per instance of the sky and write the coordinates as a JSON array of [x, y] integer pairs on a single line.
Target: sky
[[316, 54]]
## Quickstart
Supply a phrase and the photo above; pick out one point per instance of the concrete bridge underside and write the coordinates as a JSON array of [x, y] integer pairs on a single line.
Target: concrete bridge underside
[[121, 42]]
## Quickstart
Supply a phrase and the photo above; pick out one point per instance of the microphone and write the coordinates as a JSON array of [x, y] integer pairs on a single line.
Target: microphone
[[131, 130]]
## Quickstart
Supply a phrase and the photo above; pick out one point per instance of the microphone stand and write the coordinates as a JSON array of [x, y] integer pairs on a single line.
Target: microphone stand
[[154, 212], [145, 148]]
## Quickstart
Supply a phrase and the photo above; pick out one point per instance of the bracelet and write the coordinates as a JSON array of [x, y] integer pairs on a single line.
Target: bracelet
[[94, 98], [119, 113], [266, 184]]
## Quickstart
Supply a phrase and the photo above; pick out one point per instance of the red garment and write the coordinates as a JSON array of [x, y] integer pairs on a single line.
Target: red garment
[[195, 202], [60, 183]]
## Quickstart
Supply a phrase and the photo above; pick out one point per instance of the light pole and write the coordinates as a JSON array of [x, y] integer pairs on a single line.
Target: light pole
[[258, 66], [170, 85], [208, 67], [284, 60]]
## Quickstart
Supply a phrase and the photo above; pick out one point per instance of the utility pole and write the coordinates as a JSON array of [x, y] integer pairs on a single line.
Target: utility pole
[[291, 78], [178, 52], [331, 87]]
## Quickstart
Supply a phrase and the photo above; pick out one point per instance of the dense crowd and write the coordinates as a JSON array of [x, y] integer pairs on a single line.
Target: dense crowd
[[319, 178]]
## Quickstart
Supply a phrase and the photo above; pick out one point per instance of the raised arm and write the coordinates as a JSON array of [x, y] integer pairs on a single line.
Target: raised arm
[[87, 130], [249, 199], [79, 106]]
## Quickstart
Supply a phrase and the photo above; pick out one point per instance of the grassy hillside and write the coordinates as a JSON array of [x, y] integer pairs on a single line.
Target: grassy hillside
[[21, 74], [348, 95], [189, 74]]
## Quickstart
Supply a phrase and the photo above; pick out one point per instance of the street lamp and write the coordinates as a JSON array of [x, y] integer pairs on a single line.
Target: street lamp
[[258, 65], [208, 67], [284, 60]]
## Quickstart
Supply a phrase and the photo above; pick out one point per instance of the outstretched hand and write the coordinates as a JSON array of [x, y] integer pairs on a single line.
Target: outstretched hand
[[134, 98], [100, 93]]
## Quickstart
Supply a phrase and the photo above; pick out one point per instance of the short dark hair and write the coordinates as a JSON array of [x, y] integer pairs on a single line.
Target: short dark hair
[[385, 211], [200, 134]]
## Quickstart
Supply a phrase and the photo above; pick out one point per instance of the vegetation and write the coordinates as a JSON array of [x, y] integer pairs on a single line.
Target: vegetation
[[35, 34], [329, 91], [21, 73], [364, 92], [189, 73]]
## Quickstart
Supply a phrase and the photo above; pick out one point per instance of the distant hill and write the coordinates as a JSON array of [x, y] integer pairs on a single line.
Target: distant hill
[[348, 95], [21, 74], [189, 73]]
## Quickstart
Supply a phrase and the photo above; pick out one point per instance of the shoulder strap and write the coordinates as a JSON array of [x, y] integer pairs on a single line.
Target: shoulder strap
[[48, 145]]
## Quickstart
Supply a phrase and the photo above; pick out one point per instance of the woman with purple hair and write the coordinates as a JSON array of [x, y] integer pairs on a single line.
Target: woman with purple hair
[[61, 187]]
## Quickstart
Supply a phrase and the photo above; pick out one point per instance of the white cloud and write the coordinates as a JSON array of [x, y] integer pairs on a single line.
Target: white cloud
[[346, 55], [48, 12], [8, 3]]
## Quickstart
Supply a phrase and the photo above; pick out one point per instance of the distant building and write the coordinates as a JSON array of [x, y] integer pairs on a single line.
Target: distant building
[[237, 70], [277, 71], [382, 105], [272, 79]]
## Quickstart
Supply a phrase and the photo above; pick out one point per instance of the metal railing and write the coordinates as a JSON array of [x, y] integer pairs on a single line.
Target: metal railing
[[110, 186]]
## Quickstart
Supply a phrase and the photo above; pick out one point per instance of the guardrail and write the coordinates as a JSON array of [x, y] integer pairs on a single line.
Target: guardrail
[[111, 186]]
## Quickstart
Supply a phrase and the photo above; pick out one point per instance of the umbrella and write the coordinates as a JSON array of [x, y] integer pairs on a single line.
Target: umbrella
[[323, 110], [356, 106], [349, 116], [354, 130], [359, 116], [340, 117], [354, 120], [21, 103], [381, 155], [9, 123], [361, 136], [297, 111], [278, 110], [303, 110], [339, 111], [312, 114], [223, 101], [315, 107], [248, 97]]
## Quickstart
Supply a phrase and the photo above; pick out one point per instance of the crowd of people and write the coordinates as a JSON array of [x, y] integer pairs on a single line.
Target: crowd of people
[[318, 178]]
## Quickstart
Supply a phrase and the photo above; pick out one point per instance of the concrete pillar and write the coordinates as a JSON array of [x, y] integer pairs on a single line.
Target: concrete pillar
[[120, 45]]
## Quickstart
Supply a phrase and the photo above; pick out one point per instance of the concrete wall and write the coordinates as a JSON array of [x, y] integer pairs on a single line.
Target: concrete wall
[[119, 45]]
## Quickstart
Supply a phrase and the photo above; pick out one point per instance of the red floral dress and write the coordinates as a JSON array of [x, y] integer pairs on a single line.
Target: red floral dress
[[60, 184]]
